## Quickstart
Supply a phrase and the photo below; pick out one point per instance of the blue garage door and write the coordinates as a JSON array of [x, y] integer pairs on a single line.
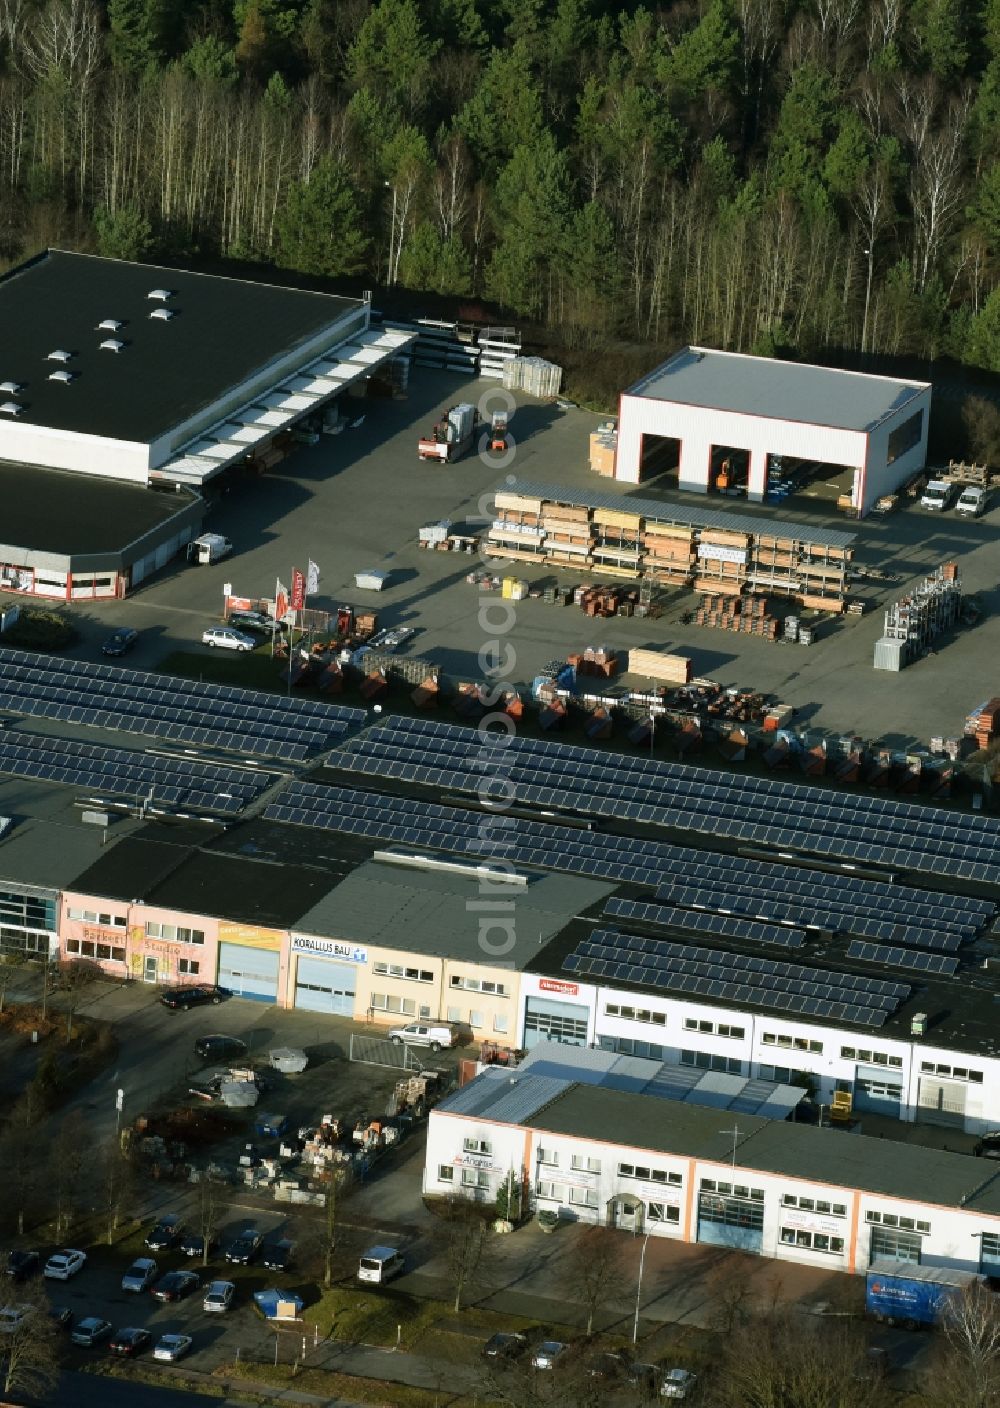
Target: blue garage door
[[555, 1021], [730, 1222], [322, 986], [249, 972], [878, 1092]]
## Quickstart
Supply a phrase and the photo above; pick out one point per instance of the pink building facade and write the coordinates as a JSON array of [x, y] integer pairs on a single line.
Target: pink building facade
[[143, 942]]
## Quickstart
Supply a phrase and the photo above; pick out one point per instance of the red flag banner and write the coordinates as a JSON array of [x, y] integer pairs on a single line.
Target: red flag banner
[[298, 599], [280, 602]]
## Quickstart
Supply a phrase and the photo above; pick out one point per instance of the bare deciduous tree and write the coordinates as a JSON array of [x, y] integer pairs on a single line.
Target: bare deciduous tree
[[596, 1270], [966, 1373], [466, 1234], [31, 1347], [788, 1358]]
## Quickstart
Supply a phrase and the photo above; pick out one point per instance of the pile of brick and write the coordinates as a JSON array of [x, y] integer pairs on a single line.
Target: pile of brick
[[601, 663], [606, 601], [983, 724], [748, 615]]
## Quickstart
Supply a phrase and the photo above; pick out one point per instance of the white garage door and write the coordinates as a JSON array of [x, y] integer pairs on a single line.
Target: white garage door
[[249, 972]]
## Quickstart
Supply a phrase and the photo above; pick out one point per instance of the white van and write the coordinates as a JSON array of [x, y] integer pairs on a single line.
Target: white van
[[937, 496], [971, 501], [380, 1264]]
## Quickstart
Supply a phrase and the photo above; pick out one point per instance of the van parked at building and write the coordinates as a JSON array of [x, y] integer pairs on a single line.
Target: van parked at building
[[971, 501], [937, 496]]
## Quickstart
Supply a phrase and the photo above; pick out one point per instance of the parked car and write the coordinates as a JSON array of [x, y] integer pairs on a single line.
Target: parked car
[[140, 1275], [254, 621], [502, 1347], [219, 1047], [227, 638], [937, 496], [422, 1034], [61, 1316], [644, 1376], [988, 1146], [175, 1285], [130, 1342], [380, 1264], [91, 1331], [62, 1265], [172, 1347], [195, 1244], [277, 1256], [548, 1354], [12, 1317], [121, 642], [244, 1248], [972, 502], [22, 1264], [166, 1234], [677, 1383], [607, 1364], [218, 1297], [186, 995]]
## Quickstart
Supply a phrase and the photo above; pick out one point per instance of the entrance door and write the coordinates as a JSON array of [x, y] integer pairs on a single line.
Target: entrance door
[[149, 968]]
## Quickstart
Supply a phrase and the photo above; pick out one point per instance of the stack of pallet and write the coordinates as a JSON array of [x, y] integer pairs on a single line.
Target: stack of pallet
[[569, 537], [617, 541], [983, 724], [534, 375], [722, 559], [517, 531], [599, 663], [497, 347], [605, 601], [670, 552], [603, 448], [656, 665], [748, 616]]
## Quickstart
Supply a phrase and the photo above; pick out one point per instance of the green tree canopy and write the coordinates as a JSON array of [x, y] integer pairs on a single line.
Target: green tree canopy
[[319, 228], [124, 233], [393, 53]]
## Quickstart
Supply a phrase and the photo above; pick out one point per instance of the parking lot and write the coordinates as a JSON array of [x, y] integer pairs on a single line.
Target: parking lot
[[357, 500]]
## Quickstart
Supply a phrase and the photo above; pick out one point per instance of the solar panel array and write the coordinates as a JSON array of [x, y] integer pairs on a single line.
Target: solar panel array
[[764, 811], [721, 925], [742, 979], [119, 772], [873, 909], [937, 963], [156, 706]]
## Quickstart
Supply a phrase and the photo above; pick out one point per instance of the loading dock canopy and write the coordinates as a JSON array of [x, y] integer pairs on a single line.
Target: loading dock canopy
[[332, 372]]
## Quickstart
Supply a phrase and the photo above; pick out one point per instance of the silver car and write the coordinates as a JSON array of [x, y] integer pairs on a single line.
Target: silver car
[[140, 1275], [548, 1353], [218, 1297], [228, 638]]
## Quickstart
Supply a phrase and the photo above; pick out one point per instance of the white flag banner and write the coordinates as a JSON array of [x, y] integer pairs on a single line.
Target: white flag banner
[[312, 579]]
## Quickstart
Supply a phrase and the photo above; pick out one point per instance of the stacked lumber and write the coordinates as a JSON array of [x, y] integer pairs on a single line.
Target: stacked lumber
[[657, 665]]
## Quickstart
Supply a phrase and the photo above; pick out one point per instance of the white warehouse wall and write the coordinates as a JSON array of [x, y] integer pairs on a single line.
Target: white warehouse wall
[[883, 478], [699, 428], [64, 449]]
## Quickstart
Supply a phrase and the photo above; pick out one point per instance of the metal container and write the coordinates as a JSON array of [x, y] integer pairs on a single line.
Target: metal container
[[890, 654]]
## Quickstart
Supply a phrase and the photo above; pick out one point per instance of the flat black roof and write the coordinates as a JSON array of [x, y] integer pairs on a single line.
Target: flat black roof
[[222, 332], [250, 891], [62, 512], [128, 870]]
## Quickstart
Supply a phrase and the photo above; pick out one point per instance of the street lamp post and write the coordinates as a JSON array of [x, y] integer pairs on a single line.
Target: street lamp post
[[870, 253], [638, 1290]]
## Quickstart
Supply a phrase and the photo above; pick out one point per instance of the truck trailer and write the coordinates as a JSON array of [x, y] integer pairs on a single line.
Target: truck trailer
[[451, 436], [897, 1293]]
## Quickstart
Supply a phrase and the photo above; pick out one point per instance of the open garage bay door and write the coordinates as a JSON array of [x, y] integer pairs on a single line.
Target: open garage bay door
[[249, 972], [322, 986]]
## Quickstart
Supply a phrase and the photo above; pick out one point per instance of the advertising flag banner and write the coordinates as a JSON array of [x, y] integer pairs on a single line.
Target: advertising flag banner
[[312, 579], [298, 598], [280, 602]]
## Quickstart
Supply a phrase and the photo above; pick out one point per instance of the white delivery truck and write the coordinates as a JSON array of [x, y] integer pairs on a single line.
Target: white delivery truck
[[209, 548], [938, 495], [971, 501]]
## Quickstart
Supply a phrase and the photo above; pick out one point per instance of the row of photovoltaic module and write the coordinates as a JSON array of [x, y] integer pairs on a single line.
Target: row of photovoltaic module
[[762, 811], [855, 906], [181, 711], [122, 773]]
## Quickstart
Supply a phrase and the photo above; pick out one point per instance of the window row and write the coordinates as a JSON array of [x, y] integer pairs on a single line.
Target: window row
[[581, 1163], [91, 916], [891, 1219], [480, 985], [475, 1019], [392, 1002], [871, 1058], [84, 948], [649, 1175], [953, 1072], [792, 1043], [710, 1061], [477, 1146], [397, 970], [635, 1014], [174, 933], [560, 1193], [791, 1200], [735, 1190], [697, 1024], [815, 1241]]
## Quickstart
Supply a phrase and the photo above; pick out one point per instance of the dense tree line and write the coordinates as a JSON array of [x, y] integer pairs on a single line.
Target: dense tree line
[[754, 174]]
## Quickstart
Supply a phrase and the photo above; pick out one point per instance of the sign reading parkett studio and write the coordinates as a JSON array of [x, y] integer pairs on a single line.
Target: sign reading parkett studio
[[329, 948]]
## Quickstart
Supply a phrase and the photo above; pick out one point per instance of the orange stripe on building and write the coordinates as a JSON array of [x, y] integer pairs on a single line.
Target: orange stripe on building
[[855, 1217], [689, 1202]]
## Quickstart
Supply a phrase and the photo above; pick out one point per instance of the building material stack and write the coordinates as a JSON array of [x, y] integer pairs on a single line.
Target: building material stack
[[983, 724], [722, 559], [534, 375], [445, 346], [617, 541], [497, 347], [747, 615], [517, 530], [595, 663], [603, 448], [657, 665], [670, 552], [569, 537], [912, 622]]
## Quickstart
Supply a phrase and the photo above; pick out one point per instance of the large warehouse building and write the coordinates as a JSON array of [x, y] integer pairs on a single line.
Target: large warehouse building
[[743, 418], [149, 378]]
